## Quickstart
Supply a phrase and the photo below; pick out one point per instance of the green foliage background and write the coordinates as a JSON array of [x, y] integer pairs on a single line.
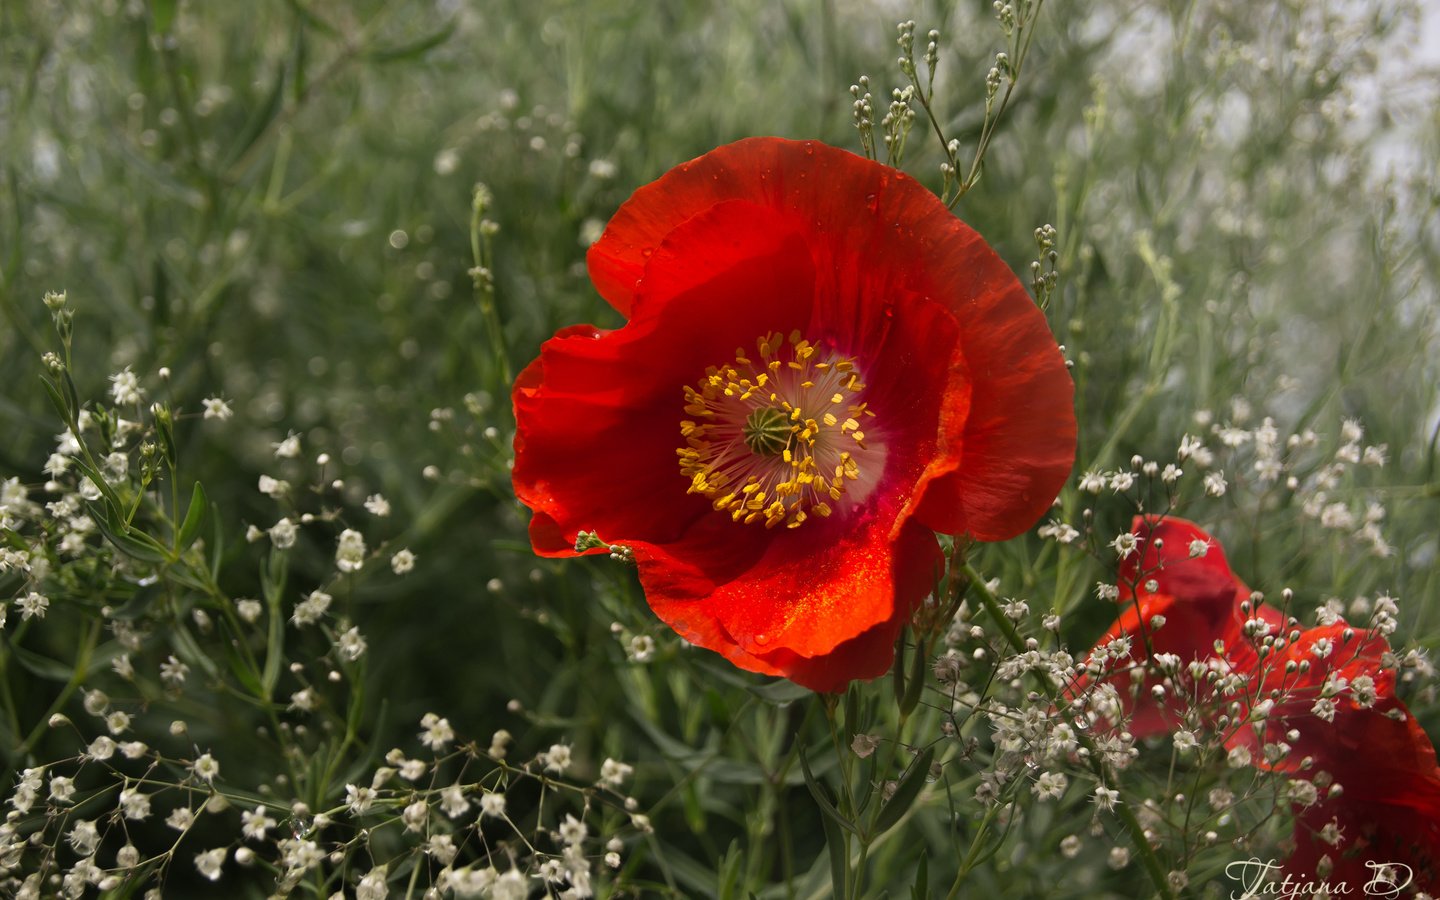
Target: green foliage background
[[273, 199]]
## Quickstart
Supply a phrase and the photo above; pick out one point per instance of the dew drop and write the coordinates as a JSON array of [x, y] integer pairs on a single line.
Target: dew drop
[[809, 148], [647, 253], [762, 639]]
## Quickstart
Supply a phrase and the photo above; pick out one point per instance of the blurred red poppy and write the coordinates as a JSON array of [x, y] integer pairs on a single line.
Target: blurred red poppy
[[822, 367], [1332, 719], [1178, 572], [1317, 705]]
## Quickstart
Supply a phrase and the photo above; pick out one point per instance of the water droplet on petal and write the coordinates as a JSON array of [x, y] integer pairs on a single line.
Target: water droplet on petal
[[762, 639], [647, 253]]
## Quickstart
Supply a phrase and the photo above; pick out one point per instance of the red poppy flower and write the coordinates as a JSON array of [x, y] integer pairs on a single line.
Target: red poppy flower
[[821, 368], [1332, 706], [1200, 599]]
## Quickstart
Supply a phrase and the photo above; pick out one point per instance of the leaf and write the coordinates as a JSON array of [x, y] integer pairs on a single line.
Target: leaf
[[920, 890], [162, 14], [134, 544], [414, 48], [839, 859], [41, 666], [780, 692], [818, 792], [194, 516], [905, 793], [728, 871]]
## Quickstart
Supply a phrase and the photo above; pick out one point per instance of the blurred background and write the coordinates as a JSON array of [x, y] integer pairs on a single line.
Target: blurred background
[[273, 200]]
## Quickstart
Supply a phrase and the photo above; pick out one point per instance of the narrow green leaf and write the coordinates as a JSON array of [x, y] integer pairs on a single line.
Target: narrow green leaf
[[414, 48], [134, 544], [920, 890], [729, 871], [818, 792], [194, 516], [905, 793], [779, 692], [839, 858], [41, 666]]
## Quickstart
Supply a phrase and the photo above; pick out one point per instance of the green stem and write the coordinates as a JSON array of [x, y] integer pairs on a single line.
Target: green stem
[[1126, 815]]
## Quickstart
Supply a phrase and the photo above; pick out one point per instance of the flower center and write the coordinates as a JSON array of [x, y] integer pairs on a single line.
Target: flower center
[[779, 439]]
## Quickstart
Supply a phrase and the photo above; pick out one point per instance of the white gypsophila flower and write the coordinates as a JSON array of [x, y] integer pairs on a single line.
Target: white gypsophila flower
[[640, 648], [1238, 757], [1015, 610], [33, 606], [304, 700], [492, 803], [282, 534], [1215, 484], [1185, 740], [350, 551], [572, 830], [1121, 481], [125, 388], [499, 744], [117, 722], [557, 758], [288, 448], [180, 818], [613, 772], [1125, 544], [206, 768], [134, 805], [254, 825], [453, 801], [249, 610], [1092, 482], [1198, 548], [1322, 648], [402, 562], [416, 816], [359, 799], [210, 862], [217, 408], [1050, 785], [413, 769], [101, 749], [312, 608], [437, 733], [62, 788], [1107, 591], [1362, 691], [373, 886], [84, 837], [350, 645], [173, 672], [274, 488], [377, 505], [1105, 798], [1171, 473]]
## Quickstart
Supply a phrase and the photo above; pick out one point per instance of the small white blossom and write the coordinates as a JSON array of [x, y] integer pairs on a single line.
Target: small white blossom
[[359, 799], [216, 408], [437, 732], [210, 861], [248, 610], [402, 562], [613, 772], [33, 606], [557, 758], [453, 801], [1105, 798], [1198, 548], [274, 488], [864, 745], [1050, 785], [492, 803], [254, 825], [350, 551], [125, 388], [205, 768], [1215, 484], [1125, 544], [288, 448], [377, 505], [282, 534], [350, 645], [312, 608]]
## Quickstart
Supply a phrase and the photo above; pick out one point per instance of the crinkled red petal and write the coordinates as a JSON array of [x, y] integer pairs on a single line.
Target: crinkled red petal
[[793, 611], [598, 414], [884, 248]]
